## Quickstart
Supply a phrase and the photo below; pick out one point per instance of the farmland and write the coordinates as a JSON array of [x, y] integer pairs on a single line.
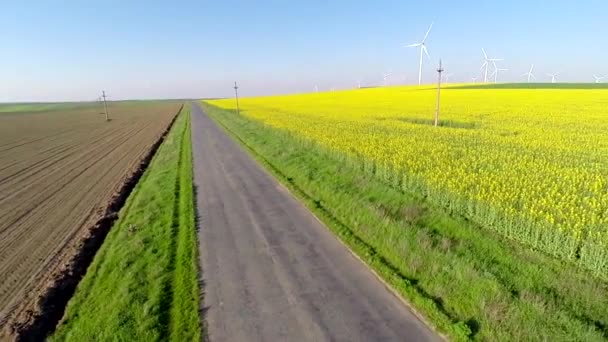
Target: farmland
[[492, 225], [149, 257], [60, 167], [531, 165]]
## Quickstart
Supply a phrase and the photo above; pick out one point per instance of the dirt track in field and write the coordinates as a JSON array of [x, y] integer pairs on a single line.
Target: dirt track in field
[[58, 172]]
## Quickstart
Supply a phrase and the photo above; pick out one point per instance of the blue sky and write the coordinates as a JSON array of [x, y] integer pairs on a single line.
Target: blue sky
[[161, 49]]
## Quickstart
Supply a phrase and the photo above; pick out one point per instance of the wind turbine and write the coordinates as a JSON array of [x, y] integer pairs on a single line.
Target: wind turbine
[[386, 76], [530, 74], [553, 76], [598, 79], [399, 77], [316, 88], [486, 64], [474, 79], [495, 73], [422, 50], [447, 78]]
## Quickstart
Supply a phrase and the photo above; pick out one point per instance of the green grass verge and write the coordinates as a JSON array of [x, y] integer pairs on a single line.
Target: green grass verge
[[470, 283], [142, 284]]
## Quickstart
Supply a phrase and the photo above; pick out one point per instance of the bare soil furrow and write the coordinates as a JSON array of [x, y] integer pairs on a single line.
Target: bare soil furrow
[[21, 167], [92, 184], [87, 179], [86, 158], [21, 143]]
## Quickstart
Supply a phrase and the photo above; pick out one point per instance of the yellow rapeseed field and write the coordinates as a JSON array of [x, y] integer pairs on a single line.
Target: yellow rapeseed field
[[530, 164]]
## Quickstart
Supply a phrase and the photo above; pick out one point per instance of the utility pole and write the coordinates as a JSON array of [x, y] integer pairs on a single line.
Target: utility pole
[[105, 105], [439, 71], [236, 96]]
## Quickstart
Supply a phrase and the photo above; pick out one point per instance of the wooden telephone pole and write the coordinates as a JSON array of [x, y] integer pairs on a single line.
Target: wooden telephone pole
[[439, 71], [105, 105], [236, 96]]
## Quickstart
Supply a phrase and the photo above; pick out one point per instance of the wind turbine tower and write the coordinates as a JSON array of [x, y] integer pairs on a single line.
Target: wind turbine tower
[[495, 73], [447, 78], [423, 49], [385, 77], [598, 79], [486, 63], [530, 74], [553, 77]]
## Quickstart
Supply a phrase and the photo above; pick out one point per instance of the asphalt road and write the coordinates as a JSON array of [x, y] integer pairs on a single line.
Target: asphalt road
[[271, 271]]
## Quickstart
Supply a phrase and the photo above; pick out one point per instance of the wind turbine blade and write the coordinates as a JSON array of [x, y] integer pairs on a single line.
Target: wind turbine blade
[[426, 52], [427, 32], [484, 53], [483, 65], [414, 45]]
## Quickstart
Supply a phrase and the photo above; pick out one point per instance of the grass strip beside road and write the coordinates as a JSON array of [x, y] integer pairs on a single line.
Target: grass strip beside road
[[470, 283], [143, 284]]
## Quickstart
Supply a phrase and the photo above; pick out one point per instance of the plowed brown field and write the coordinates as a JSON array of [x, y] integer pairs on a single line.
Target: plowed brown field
[[58, 171]]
